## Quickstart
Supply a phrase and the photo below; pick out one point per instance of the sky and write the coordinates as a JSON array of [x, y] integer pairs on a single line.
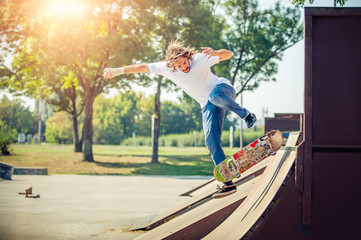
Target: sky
[[286, 95]]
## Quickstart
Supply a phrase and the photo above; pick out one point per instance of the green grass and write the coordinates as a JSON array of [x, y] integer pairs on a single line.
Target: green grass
[[114, 160]]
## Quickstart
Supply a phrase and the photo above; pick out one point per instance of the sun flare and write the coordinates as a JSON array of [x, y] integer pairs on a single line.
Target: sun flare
[[65, 8]]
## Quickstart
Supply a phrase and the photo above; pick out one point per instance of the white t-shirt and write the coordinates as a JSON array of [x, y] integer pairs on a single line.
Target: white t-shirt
[[198, 82]]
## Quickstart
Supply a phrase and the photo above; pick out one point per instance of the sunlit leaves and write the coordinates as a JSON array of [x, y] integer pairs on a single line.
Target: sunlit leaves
[[302, 2], [257, 39]]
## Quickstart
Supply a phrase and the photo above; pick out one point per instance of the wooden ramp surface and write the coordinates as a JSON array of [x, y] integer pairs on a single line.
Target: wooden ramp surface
[[257, 201], [234, 214], [191, 192], [203, 195], [169, 229]]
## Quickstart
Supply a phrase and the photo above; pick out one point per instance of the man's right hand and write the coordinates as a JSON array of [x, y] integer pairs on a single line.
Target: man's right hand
[[112, 72]]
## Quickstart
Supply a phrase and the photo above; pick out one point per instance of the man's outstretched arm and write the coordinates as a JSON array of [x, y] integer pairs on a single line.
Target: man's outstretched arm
[[223, 54], [136, 68]]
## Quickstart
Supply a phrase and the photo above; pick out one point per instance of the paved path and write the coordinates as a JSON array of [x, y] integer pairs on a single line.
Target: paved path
[[86, 207]]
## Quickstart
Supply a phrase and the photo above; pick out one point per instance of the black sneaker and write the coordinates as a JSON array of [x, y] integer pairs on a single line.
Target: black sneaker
[[250, 120], [225, 191]]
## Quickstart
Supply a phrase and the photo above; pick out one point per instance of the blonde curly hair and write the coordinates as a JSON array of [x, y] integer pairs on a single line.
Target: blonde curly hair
[[176, 50]]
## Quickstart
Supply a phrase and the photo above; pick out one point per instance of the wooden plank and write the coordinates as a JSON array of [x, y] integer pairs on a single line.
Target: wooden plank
[[212, 187], [247, 214], [190, 192], [202, 196], [307, 160], [292, 139], [199, 213]]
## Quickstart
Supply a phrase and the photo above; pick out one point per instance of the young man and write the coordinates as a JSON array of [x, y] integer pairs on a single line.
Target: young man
[[191, 71]]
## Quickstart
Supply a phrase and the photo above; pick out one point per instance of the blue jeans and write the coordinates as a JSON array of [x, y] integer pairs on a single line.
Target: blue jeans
[[221, 99]]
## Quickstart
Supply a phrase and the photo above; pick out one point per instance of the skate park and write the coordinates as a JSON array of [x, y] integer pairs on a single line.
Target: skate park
[[309, 189]]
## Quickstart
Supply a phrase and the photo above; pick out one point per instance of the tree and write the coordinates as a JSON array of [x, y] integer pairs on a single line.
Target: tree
[[143, 119], [175, 120], [66, 95], [16, 116], [192, 111], [14, 119], [302, 2], [58, 128], [5, 138], [114, 118], [193, 23], [81, 39], [258, 39]]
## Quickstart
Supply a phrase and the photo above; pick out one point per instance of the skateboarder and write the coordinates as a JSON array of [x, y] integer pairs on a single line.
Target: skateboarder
[[191, 71]]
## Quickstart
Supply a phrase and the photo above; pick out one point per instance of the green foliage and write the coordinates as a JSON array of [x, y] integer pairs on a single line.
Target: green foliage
[[145, 108], [59, 129], [257, 39], [188, 139], [6, 135], [193, 112], [119, 117], [302, 2], [114, 119], [137, 141], [14, 115], [182, 140], [170, 140], [176, 120]]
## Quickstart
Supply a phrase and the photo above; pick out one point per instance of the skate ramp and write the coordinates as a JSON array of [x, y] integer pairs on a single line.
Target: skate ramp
[[202, 219], [212, 218], [258, 200], [201, 195]]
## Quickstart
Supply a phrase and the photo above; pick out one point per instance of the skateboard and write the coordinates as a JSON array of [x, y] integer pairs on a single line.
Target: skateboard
[[233, 166]]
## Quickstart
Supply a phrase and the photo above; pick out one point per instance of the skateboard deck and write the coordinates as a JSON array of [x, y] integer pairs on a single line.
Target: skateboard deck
[[233, 166]]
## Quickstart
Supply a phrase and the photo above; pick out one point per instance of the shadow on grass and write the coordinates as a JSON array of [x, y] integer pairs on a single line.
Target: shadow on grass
[[169, 165]]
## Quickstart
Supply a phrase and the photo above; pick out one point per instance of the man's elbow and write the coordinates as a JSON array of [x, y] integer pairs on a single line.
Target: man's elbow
[[227, 55], [144, 67]]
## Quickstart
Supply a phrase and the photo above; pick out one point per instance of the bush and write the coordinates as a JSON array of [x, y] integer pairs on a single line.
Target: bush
[[59, 129], [5, 139], [248, 137], [188, 139], [138, 141]]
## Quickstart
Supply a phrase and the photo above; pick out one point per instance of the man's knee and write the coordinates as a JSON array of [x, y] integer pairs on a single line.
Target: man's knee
[[216, 98]]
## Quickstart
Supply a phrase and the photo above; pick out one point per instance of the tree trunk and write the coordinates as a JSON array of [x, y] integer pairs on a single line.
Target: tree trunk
[[88, 127], [77, 143], [156, 122]]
